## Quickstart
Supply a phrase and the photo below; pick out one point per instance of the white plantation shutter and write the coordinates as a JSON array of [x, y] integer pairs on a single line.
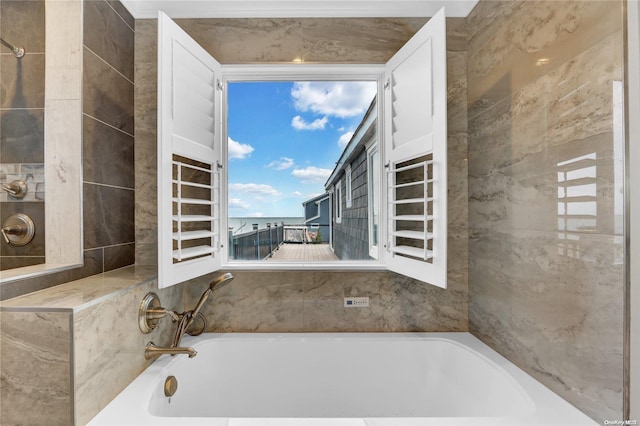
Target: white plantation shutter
[[416, 155], [189, 157]]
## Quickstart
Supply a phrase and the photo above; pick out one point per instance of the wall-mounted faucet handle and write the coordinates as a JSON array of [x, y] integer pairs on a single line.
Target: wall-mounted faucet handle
[[18, 230], [16, 189], [150, 313], [157, 313], [11, 230]]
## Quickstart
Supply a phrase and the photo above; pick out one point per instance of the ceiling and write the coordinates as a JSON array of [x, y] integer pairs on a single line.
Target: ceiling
[[145, 9]]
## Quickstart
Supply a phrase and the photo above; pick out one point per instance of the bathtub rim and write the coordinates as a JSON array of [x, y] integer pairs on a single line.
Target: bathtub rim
[[548, 408]]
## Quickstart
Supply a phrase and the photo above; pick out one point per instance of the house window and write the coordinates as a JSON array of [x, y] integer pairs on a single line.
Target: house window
[[373, 189], [348, 194], [338, 192], [195, 148]]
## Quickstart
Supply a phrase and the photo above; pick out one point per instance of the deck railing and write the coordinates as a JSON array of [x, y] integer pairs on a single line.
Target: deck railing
[[259, 244]]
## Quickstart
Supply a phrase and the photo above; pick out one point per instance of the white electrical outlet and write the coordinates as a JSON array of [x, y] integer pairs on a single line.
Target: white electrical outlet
[[356, 302]]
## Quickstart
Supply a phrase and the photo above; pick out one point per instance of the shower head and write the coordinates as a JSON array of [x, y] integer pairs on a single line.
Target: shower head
[[188, 320], [221, 281]]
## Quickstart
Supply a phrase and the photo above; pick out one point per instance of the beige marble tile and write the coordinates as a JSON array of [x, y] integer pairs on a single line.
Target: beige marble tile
[[105, 343], [145, 152], [488, 17], [519, 145], [235, 41], [35, 376], [78, 294], [321, 40], [552, 30], [548, 300], [397, 303], [554, 312], [109, 347], [312, 301], [456, 92], [457, 181], [580, 92], [356, 40], [63, 174], [64, 49], [457, 35], [528, 194], [270, 301], [324, 302]]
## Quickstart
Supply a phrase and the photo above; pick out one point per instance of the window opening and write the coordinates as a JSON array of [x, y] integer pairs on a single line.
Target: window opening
[[348, 190], [288, 144], [373, 182], [414, 124]]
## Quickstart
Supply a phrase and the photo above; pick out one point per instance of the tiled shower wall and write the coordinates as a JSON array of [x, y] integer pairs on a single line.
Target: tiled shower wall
[[22, 124], [545, 193], [108, 143], [107, 136], [313, 300]]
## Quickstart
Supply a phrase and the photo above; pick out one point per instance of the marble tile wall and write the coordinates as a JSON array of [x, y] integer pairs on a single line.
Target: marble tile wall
[[63, 131], [336, 40], [108, 140], [107, 147], [545, 195], [312, 301], [109, 347], [35, 374], [67, 351], [22, 102]]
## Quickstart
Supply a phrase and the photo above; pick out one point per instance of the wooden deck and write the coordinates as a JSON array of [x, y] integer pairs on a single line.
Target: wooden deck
[[304, 252]]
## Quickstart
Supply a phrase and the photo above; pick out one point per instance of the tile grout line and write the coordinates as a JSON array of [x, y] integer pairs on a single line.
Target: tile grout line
[[107, 124], [108, 186], [120, 16], [109, 65]]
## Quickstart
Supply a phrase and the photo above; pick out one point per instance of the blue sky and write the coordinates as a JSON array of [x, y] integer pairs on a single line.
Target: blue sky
[[284, 141]]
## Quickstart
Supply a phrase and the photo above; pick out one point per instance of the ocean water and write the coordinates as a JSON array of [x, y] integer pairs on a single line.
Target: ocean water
[[244, 224]]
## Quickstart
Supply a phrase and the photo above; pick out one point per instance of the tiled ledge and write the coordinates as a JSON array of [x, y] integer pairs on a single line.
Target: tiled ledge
[[68, 350], [77, 295]]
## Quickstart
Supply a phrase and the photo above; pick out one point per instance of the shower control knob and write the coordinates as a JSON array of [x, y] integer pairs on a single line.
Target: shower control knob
[[16, 189], [18, 230]]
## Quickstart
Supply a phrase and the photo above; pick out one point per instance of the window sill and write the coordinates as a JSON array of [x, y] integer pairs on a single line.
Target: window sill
[[365, 265]]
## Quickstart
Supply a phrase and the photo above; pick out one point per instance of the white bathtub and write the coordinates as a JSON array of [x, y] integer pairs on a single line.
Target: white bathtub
[[397, 379]]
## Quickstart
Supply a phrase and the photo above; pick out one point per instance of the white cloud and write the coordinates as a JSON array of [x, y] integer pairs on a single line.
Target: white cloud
[[239, 150], [296, 194], [283, 163], [334, 98], [237, 203], [344, 139], [256, 214], [298, 123], [311, 174], [254, 189]]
